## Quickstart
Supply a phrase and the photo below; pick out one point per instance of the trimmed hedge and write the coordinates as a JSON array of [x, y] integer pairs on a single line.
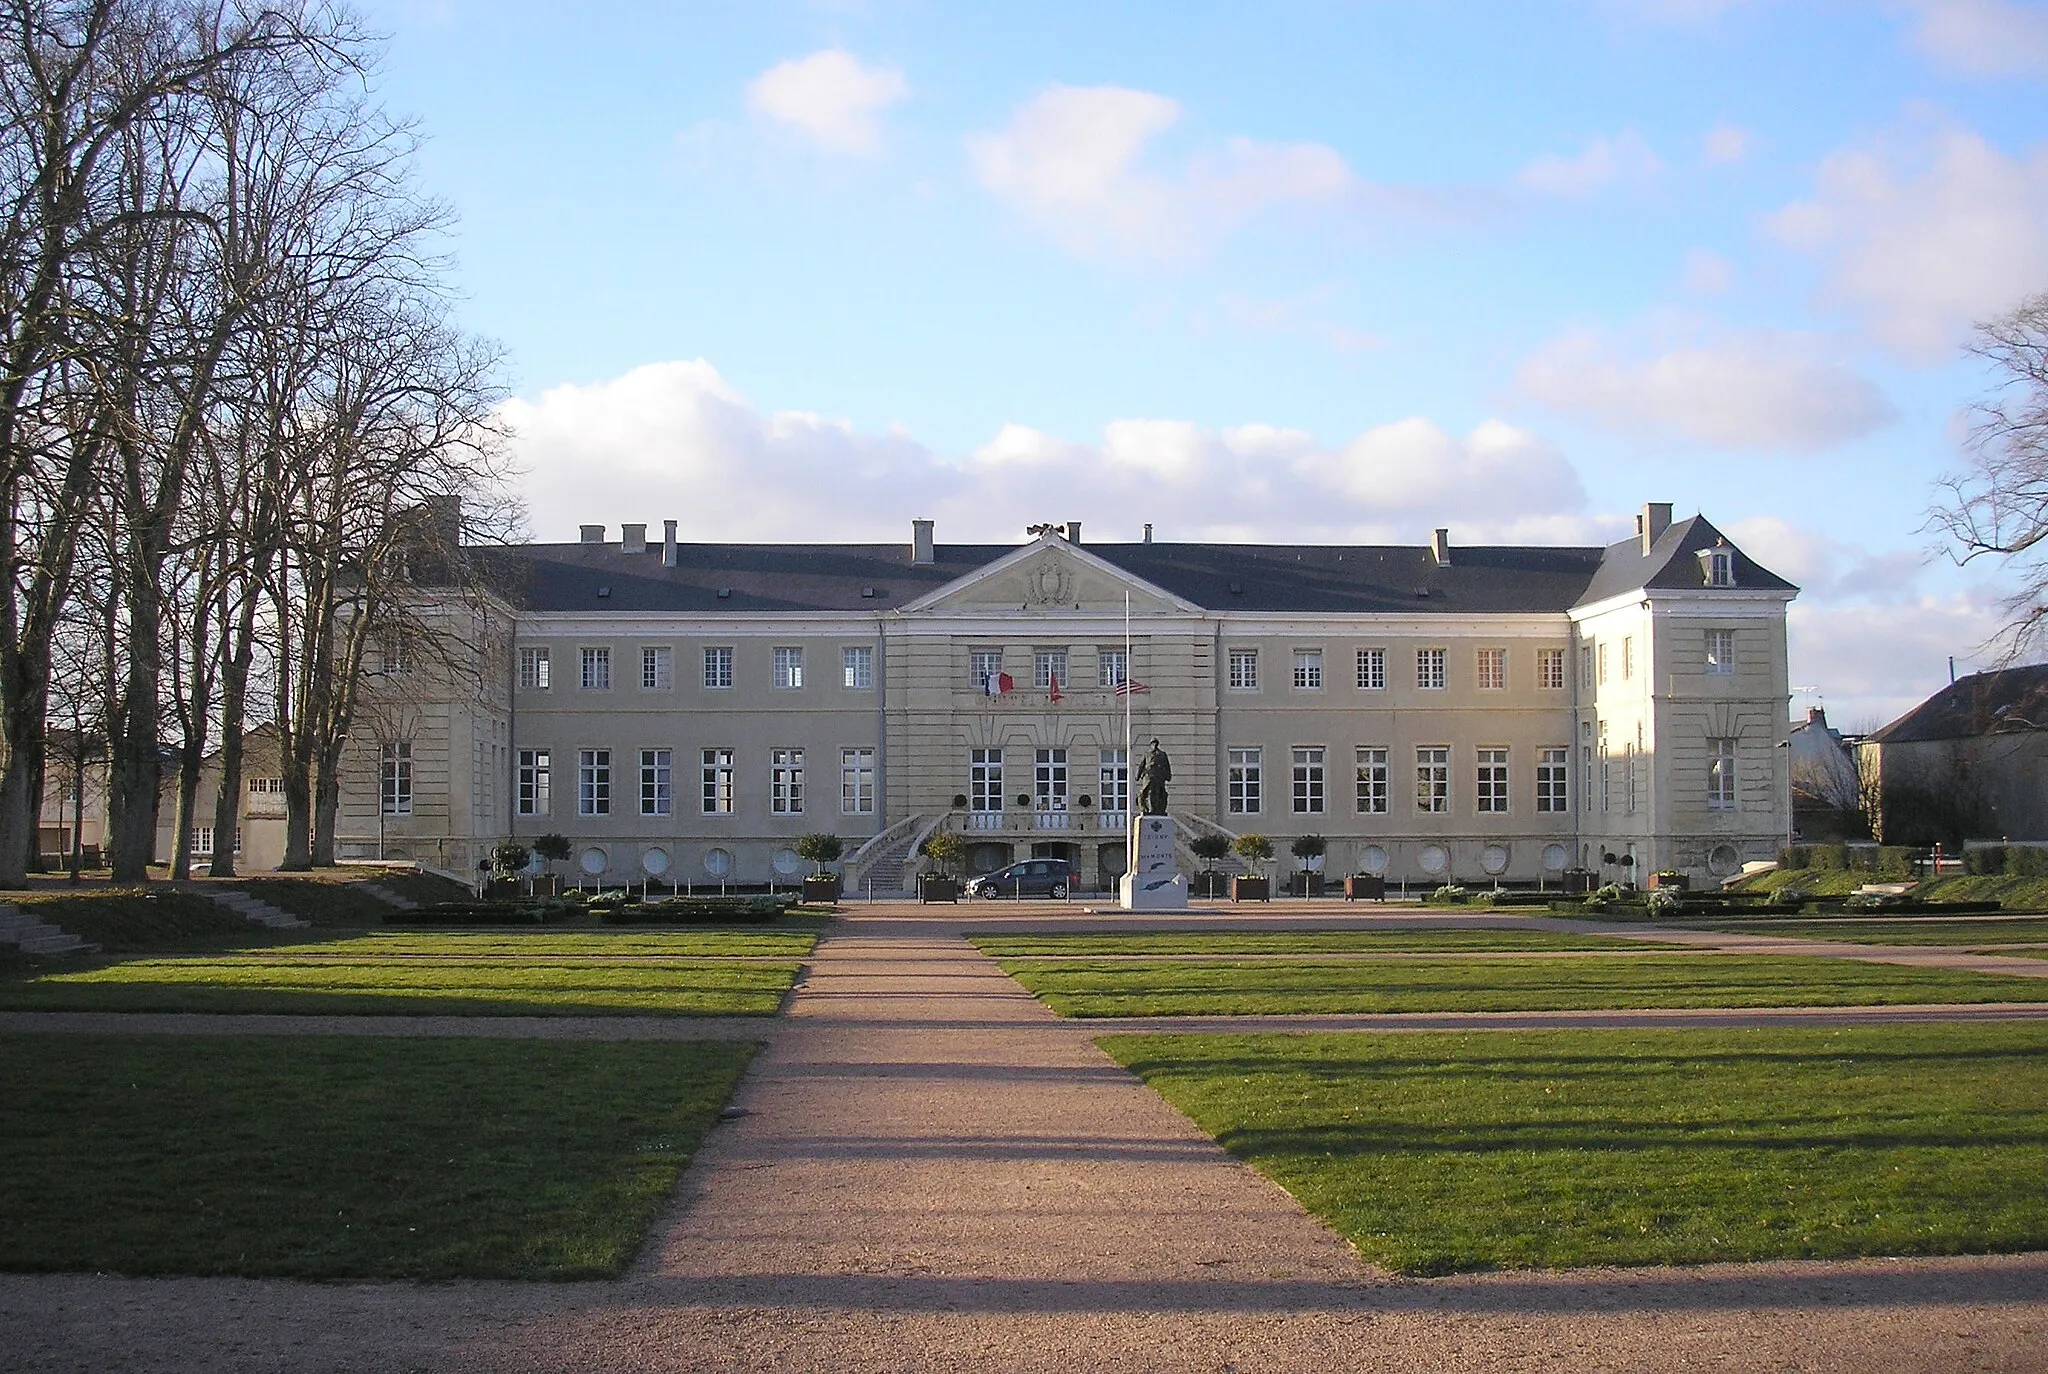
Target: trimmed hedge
[[2018, 861], [694, 911], [1891, 862], [486, 913]]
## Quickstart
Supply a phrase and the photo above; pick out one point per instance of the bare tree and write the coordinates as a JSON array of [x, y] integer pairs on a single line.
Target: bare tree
[[1997, 506]]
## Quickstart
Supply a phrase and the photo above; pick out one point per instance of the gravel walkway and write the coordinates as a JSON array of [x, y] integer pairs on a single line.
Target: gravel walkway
[[935, 1174]]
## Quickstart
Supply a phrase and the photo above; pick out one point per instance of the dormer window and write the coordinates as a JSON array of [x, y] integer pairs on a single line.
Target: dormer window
[[1720, 566]]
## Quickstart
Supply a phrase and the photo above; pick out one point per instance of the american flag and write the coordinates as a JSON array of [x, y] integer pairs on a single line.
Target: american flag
[[1128, 687]]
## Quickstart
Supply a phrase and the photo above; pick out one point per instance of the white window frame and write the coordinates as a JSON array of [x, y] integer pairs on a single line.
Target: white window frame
[[1244, 670], [1553, 780], [594, 782], [1048, 665], [716, 778], [1311, 779], [1429, 669], [596, 663], [1112, 668], [1550, 670], [1628, 658], [394, 774], [857, 781], [718, 667], [1246, 781], [657, 782], [857, 667], [1721, 773], [1049, 780], [1490, 665], [789, 667], [536, 781], [985, 781], [534, 669], [1433, 779], [983, 664], [786, 782], [657, 668], [1491, 780], [1308, 670], [1372, 670], [1720, 653], [1372, 780], [1113, 794]]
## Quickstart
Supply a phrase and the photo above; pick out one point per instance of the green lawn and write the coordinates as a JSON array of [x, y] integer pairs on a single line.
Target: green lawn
[[1141, 988], [751, 941], [330, 1158], [1394, 940], [370, 975], [1924, 930], [1436, 1153]]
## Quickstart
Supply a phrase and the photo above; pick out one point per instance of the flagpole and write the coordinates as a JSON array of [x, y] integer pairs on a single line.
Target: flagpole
[[1130, 756]]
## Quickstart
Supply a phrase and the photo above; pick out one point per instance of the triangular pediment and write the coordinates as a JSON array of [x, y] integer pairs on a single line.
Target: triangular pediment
[[1049, 576]]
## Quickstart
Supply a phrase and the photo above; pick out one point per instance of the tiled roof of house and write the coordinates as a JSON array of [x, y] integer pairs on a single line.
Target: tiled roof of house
[[2009, 699], [1308, 578]]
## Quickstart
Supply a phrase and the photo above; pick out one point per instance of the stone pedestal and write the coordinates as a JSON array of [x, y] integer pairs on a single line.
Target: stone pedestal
[[1155, 882]]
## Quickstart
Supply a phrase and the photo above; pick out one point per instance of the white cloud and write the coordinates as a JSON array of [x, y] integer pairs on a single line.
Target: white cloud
[[1603, 161], [831, 97], [1923, 235], [1707, 273], [1984, 37], [1826, 568], [1750, 391], [1670, 11], [1301, 314], [1727, 143], [675, 440], [1873, 663], [1072, 159]]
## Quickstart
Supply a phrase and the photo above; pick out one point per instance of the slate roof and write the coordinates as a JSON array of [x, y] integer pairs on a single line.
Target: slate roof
[[1309, 578], [2010, 699]]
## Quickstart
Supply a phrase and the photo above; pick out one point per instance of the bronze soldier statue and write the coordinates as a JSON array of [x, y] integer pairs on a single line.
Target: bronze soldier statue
[[1155, 770]]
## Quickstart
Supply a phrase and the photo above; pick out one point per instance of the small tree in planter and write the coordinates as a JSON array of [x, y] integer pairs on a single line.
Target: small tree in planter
[[948, 851], [1210, 848], [553, 849], [822, 885], [508, 861], [1254, 850], [1305, 849]]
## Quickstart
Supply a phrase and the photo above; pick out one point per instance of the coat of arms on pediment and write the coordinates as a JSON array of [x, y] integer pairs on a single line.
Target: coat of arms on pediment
[[1048, 582]]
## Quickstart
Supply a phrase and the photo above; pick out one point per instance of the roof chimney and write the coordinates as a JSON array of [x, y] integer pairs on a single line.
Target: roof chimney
[[668, 543], [1651, 524], [592, 534], [921, 553], [1148, 531], [1440, 547], [633, 538], [1073, 531]]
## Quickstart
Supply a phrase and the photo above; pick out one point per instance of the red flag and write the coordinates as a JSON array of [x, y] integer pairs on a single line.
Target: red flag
[[1128, 687], [995, 684], [1054, 693]]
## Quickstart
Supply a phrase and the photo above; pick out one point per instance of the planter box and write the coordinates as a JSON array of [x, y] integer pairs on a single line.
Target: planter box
[[821, 889], [1580, 880], [1365, 887], [1675, 882], [937, 887], [1209, 883], [1251, 890], [1307, 885]]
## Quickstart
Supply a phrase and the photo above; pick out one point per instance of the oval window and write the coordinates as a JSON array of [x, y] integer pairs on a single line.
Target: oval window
[[593, 861], [1494, 859], [1375, 859], [1554, 858], [1434, 859], [718, 863], [1724, 862], [787, 861], [655, 862]]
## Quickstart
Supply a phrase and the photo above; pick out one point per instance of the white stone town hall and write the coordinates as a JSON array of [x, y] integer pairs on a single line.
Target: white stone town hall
[[1436, 713]]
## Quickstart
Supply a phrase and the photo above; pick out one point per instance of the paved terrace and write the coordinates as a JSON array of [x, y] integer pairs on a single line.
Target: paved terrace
[[932, 1172]]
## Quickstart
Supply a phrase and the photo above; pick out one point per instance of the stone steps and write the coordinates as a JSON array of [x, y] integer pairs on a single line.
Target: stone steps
[[387, 896], [17, 927], [252, 908]]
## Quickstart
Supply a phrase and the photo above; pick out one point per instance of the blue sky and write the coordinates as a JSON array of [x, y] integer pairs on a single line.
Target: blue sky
[[1312, 271]]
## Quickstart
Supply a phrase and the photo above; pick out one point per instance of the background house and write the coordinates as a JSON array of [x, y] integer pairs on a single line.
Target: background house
[[1969, 763]]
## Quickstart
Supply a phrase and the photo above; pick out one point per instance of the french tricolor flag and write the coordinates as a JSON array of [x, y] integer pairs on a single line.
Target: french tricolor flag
[[995, 684]]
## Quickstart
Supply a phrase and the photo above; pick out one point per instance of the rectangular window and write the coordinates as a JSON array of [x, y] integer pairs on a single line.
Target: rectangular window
[[202, 841], [1628, 658], [1049, 780], [1244, 783], [1372, 781], [1049, 666], [261, 786], [1601, 653], [1628, 759], [718, 667], [1586, 667], [1606, 772], [983, 664], [1721, 653], [535, 766], [657, 668], [786, 782], [1550, 669], [1492, 780], [718, 787], [1112, 668], [1720, 775], [657, 777], [1308, 670], [533, 669], [1720, 568], [597, 670], [397, 779], [1244, 670], [594, 782], [392, 654], [1433, 779], [1493, 670], [1429, 669], [1372, 670], [1552, 791], [857, 782], [789, 667], [1308, 781], [857, 668], [985, 780], [1115, 779]]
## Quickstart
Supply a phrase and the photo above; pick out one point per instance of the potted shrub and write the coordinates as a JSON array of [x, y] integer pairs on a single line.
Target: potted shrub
[[1255, 886], [554, 849], [1210, 848], [947, 850], [508, 861], [821, 887], [1306, 849], [1370, 887]]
